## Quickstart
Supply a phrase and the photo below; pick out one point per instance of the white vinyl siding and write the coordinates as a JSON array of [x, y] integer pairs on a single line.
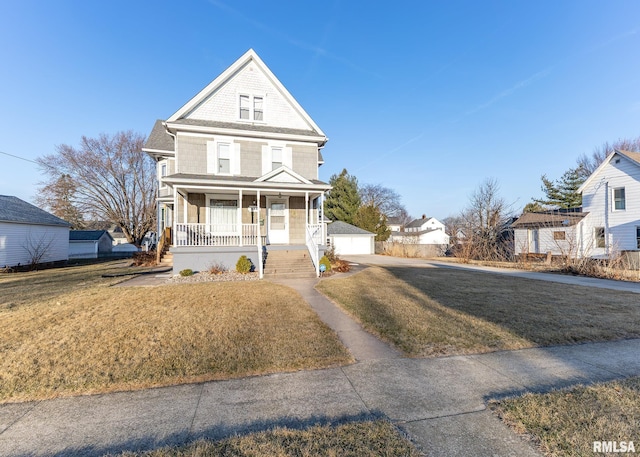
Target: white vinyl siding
[[599, 200], [15, 240]]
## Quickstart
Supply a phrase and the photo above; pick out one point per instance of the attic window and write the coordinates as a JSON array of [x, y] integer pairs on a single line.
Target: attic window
[[251, 108]]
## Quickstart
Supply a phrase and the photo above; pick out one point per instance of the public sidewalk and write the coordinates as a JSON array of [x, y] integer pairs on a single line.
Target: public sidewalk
[[440, 403]]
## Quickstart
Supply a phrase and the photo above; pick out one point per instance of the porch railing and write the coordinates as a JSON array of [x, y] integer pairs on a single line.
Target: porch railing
[[217, 235], [314, 240]]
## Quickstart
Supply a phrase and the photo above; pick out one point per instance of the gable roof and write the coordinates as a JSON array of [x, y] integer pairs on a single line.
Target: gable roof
[[418, 222], [548, 219], [88, 235], [283, 174], [225, 76], [342, 228], [12, 209], [633, 157]]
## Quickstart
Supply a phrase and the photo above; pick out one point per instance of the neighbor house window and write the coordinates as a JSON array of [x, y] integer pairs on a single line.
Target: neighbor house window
[[251, 108], [276, 158], [559, 235], [619, 199], [224, 158], [638, 237], [599, 231]]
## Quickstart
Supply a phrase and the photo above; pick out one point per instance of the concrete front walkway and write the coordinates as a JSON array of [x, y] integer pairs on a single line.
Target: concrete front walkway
[[440, 403]]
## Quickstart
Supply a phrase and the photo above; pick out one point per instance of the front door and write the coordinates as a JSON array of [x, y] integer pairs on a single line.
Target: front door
[[278, 220]]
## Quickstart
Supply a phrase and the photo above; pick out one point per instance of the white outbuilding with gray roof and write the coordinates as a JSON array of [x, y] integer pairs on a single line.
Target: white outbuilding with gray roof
[[28, 233], [348, 239]]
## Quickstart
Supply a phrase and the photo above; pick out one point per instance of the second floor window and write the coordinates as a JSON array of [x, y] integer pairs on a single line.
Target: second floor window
[[251, 108], [163, 173], [276, 158], [224, 158], [619, 202]]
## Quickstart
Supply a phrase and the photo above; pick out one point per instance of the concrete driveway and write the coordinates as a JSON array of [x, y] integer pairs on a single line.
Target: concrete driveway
[[383, 260]]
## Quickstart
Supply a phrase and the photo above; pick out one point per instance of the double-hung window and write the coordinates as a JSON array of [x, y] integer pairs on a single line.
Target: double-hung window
[[163, 173], [223, 215], [600, 238], [224, 158], [619, 200], [276, 158], [638, 237], [251, 108]]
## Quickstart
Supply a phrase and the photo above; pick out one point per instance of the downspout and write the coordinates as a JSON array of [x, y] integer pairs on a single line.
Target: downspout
[[606, 218]]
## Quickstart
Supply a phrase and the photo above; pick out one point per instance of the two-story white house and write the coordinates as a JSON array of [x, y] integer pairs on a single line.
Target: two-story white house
[[611, 196], [607, 224], [425, 230], [237, 168]]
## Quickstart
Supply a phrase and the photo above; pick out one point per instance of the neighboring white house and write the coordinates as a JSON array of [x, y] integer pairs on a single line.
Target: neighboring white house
[[611, 196], [29, 234], [348, 239], [608, 222], [426, 230], [559, 232], [394, 224], [89, 244]]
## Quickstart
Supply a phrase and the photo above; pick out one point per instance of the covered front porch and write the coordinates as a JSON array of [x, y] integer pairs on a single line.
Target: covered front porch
[[219, 223]]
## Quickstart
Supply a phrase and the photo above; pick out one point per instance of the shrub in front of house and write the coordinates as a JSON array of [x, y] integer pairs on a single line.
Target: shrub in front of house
[[186, 272], [243, 265], [325, 261], [217, 268]]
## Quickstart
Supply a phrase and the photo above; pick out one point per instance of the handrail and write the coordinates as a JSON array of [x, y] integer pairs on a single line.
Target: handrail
[[312, 246], [259, 245]]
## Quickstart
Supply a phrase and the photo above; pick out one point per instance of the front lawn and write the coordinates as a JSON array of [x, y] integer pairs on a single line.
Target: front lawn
[[567, 422], [442, 311], [356, 439], [73, 334]]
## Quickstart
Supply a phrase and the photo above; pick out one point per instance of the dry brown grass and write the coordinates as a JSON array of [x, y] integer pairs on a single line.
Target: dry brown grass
[[368, 438], [437, 311], [88, 338], [567, 422]]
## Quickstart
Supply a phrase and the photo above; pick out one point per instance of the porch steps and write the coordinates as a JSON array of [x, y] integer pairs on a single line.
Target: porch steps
[[288, 263]]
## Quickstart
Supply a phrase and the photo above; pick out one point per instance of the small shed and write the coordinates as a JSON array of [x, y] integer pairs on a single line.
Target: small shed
[[347, 239], [89, 244], [30, 235]]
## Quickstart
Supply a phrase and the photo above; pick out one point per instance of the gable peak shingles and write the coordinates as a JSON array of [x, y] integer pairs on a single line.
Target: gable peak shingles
[[12, 209]]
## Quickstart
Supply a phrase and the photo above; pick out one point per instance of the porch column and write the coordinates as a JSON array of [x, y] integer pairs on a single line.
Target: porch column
[[258, 213], [306, 209], [239, 227]]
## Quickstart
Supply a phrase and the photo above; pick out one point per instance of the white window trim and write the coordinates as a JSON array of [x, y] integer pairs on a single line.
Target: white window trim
[[613, 197], [252, 96], [163, 164], [213, 156]]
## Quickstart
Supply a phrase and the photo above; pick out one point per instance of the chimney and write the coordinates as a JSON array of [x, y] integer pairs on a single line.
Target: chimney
[[424, 216]]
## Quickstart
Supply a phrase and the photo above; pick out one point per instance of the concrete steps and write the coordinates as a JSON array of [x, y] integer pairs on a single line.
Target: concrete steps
[[288, 263]]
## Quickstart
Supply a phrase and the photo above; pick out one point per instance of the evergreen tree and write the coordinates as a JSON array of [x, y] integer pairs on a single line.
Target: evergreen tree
[[342, 202], [563, 193], [369, 217]]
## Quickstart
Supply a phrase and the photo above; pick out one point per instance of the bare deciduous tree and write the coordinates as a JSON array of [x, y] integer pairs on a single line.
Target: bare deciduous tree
[[37, 247], [588, 163], [484, 223], [59, 197], [388, 201], [114, 179]]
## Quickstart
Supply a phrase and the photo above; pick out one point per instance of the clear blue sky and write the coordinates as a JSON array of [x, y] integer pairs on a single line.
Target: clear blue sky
[[428, 98]]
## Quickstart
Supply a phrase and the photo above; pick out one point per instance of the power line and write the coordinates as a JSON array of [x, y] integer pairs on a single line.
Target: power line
[[18, 157]]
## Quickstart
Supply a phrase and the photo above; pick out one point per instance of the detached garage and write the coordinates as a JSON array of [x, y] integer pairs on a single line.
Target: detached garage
[[347, 239], [29, 235]]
